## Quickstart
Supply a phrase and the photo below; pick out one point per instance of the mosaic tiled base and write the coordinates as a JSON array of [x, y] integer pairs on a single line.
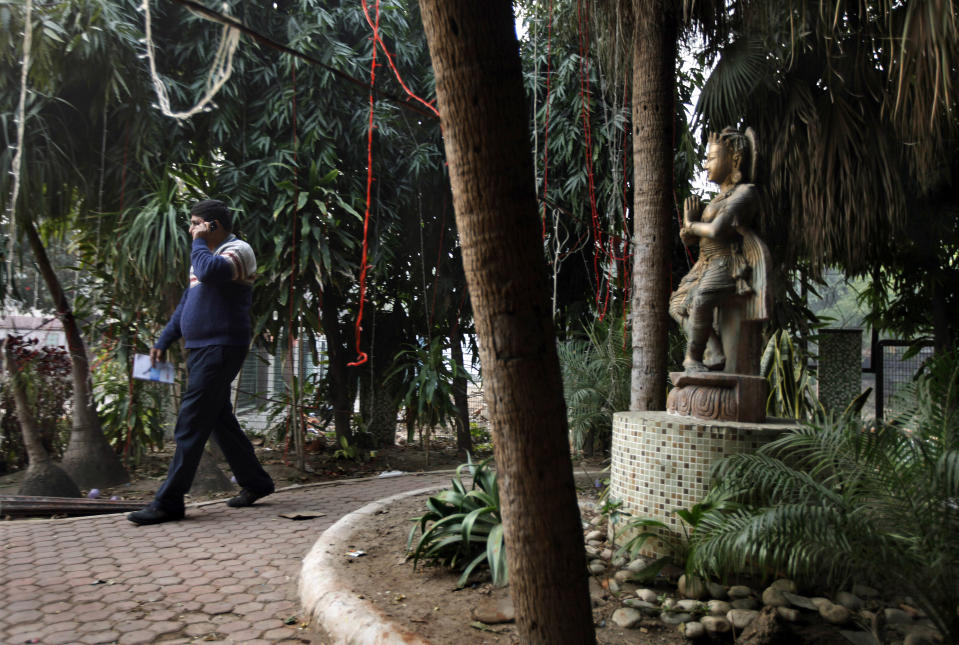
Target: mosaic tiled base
[[661, 461]]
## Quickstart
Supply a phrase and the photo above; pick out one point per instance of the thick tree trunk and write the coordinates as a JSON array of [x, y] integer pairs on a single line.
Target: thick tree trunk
[[43, 476], [654, 89], [464, 441], [338, 375], [482, 107], [89, 460]]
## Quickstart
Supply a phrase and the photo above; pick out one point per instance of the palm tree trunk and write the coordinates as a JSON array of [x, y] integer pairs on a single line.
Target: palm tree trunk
[[89, 460], [654, 89], [483, 116]]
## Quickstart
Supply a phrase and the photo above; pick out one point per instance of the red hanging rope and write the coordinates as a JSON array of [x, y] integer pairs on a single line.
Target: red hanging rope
[[377, 40], [361, 356], [582, 13], [549, 43]]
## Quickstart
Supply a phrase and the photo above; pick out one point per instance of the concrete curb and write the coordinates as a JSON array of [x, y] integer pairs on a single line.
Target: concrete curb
[[329, 601]]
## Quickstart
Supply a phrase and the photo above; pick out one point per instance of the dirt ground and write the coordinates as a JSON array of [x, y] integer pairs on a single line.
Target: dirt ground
[[321, 465], [426, 601]]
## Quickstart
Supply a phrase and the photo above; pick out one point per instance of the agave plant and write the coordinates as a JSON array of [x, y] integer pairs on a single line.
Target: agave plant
[[463, 528], [842, 501]]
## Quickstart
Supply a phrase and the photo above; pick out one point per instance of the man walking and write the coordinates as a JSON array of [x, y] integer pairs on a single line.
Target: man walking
[[213, 318]]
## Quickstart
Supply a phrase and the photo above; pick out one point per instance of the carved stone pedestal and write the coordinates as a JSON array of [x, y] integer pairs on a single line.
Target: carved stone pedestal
[[718, 396]]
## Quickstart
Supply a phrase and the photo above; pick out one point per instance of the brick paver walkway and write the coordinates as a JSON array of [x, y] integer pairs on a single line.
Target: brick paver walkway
[[222, 574]]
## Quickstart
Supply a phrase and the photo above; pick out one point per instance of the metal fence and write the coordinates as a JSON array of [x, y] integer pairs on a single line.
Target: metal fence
[[893, 370]]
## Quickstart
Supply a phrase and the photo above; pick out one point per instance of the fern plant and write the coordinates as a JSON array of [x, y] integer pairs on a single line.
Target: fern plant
[[595, 382], [463, 528], [841, 501]]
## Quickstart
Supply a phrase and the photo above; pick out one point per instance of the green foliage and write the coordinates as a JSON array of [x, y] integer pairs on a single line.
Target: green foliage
[[428, 375], [463, 528], [352, 452], [839, 501], [46, 377], [792, 388], [595, 382], [641, 530], [129, 408]]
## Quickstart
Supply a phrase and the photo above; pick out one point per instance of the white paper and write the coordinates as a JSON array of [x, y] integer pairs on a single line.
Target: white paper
[[142, 369]]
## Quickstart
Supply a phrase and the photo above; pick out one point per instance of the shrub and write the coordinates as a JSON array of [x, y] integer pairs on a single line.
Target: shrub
[[51, 388], [841, 501], [463, 528]]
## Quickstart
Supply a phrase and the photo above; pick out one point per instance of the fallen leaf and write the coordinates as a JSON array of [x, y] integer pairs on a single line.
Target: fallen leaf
[[302, 515]]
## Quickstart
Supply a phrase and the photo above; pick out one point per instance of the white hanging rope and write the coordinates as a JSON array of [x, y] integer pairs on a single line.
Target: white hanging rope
[[220, 70], [21, 117]]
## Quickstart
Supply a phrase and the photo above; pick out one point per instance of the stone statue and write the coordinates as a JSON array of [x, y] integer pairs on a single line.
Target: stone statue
[[723, 300]]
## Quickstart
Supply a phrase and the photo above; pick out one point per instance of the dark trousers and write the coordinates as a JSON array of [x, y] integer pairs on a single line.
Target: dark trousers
[[205, 410]]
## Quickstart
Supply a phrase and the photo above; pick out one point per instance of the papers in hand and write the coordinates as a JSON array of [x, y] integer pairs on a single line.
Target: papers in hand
[[142, 369]]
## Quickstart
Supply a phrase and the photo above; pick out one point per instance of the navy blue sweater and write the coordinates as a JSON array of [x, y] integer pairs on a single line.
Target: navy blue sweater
[[215, 308]]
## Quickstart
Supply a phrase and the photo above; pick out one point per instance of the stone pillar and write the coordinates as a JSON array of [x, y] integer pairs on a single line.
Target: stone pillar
[[661, 462], [840, 367]]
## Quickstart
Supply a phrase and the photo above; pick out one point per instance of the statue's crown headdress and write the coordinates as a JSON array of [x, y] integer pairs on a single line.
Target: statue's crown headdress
[[742, 147]]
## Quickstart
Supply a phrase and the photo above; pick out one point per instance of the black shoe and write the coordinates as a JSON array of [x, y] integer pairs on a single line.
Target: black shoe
[[150, 515], [245, 498]]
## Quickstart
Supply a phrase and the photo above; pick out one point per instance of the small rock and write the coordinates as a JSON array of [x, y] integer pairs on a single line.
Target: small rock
[[739, 591], [716, 590], [669, 603], [493, 612], [597, 567], [835, 614], [788, 614], [850, 601], [606, 554], [800, 601], [647, 594], [692, 587], [784, 584], [718, 607], [896, 616], [914, 638], [744, 603], [598, 520], [599, 536], [622, 575], [865, 591], [739, 618], [688, 605], [627, 617], [638, 565], [648, 608], [819, 601], [619, 562], [675, 618], [715, 624], [694, 630], [592, 551], [867, 615], [774, 597], [595, 543], [612, 585]]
